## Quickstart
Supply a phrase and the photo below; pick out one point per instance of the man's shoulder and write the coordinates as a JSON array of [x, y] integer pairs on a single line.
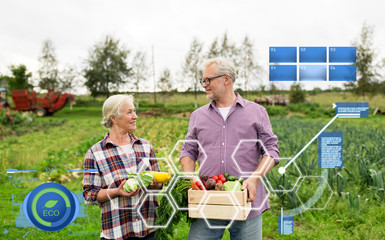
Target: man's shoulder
[[201, 110]]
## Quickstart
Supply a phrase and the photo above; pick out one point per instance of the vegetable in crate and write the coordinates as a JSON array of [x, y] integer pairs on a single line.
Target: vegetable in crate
[[204, 178], [219, 187], [210, 184], [232, 186], [131, 185]]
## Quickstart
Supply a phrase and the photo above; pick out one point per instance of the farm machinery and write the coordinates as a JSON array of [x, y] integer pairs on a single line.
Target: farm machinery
[[51, 103]]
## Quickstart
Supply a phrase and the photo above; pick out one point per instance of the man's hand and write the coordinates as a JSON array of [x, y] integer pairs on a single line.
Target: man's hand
[[251, 185]]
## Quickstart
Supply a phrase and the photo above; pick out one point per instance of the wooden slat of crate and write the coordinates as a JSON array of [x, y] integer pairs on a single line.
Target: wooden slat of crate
[[218, 205], [221, 212], [218, 197]]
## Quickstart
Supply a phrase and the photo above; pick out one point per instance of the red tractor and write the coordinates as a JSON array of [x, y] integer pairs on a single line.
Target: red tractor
[[51, 103]]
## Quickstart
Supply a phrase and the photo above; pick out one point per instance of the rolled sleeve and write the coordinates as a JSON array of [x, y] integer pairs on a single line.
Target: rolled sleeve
[[91, 180], [190, 146], [269, 140]]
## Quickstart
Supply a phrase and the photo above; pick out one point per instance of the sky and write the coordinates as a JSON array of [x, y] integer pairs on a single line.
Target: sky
[[169, 26]]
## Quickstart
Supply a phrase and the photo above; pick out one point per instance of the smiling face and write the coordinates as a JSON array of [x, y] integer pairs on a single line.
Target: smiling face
[[216, 88], [126, 121]]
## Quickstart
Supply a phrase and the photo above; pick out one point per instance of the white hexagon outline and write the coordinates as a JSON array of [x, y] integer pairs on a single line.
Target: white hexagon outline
[[207, 197], [113, 207], [331, 193], [236, 149], [156, 226], [295, 184], [172, 185], [263, 202], [199, 146], [155, 190]]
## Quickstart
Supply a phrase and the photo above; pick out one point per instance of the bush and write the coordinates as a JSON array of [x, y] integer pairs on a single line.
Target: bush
[[296, 93], [12, 118]]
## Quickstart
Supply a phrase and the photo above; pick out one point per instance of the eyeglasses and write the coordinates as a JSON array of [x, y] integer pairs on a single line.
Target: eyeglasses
[[207, 80]]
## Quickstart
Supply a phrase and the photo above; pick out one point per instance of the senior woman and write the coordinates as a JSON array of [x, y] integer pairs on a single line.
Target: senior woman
[[118, 153]]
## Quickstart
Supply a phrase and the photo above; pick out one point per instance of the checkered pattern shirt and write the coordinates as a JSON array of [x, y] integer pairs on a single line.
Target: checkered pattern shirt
[[120, 216]]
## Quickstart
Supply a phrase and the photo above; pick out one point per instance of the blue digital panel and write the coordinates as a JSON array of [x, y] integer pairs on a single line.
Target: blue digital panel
[[283, 54], [312, 54], [312, 72], [352, 109], [342, 72], [330, 150], [285, 224], [283, 73], [342, 54]]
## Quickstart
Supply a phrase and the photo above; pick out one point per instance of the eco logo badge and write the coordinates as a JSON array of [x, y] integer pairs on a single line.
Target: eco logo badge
[[51, 207]]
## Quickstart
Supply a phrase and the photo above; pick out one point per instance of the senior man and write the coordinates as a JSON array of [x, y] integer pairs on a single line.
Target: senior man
[[219, 127]]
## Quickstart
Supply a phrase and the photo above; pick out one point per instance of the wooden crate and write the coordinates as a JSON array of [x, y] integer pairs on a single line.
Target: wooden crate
[[218, 205]]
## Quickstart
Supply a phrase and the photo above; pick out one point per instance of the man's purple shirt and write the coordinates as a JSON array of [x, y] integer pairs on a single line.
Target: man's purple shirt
[[233, 145]]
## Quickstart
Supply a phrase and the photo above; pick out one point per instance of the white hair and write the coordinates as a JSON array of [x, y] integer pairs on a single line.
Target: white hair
[[112, 106], [223, 66]]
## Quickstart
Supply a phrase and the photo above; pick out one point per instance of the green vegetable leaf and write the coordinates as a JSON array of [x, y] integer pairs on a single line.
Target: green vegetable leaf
[[50, 203]]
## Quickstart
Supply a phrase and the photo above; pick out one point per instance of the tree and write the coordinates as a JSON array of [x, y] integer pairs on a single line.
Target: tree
[[191, 71], [106, 67], [367, 73], [165, 84], [20, 79], [69, 79], [297, 94], [140, 71], [48, 71], [248, 67]]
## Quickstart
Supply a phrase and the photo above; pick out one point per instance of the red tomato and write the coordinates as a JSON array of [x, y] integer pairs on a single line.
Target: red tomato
[[223, 179], [198, 184], [219, 181], [215, 177], [220, 176]]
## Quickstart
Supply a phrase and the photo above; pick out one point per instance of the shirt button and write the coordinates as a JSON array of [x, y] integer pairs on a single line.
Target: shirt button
[[223, 161], [224, 126], [223, 144]]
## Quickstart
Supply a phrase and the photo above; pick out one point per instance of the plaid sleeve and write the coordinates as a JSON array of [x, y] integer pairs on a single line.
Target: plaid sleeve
[[154, 162], [91, 180]]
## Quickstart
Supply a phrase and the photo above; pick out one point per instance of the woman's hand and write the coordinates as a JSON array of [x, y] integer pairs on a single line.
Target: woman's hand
[[120, 191], [155, 185]]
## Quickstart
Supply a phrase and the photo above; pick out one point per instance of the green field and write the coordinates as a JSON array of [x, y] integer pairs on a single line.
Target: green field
[[63, 145]]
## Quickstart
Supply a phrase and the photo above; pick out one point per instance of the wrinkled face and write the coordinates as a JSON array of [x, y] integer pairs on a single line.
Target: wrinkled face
[[127, 119], [216, 88]]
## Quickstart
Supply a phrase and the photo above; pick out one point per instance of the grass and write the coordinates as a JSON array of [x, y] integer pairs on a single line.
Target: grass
[[362, 137]]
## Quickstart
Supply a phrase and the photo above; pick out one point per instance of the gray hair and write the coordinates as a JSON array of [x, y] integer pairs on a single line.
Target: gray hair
[[223, 66], [112, 106]]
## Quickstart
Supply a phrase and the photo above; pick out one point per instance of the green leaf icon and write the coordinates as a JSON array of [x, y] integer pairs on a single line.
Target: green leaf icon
[[50, 203]]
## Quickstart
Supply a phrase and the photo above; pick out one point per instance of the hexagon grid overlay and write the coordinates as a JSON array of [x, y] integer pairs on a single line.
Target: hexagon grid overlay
[[176, 149], [206, 199], [165, 166], [321, 191], [157, 226], [173, 185], [242, 141]]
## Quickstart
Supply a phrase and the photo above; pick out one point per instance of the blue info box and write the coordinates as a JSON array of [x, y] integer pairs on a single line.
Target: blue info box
[[342, 54], [312, 72], [330, 150], [283, 54], [283, 73], [312, 54], [285, 224], [342, 73], [352, 109]]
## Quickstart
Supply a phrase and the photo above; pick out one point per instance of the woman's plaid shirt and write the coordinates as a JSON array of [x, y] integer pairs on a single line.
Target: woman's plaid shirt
[[120, 217]]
